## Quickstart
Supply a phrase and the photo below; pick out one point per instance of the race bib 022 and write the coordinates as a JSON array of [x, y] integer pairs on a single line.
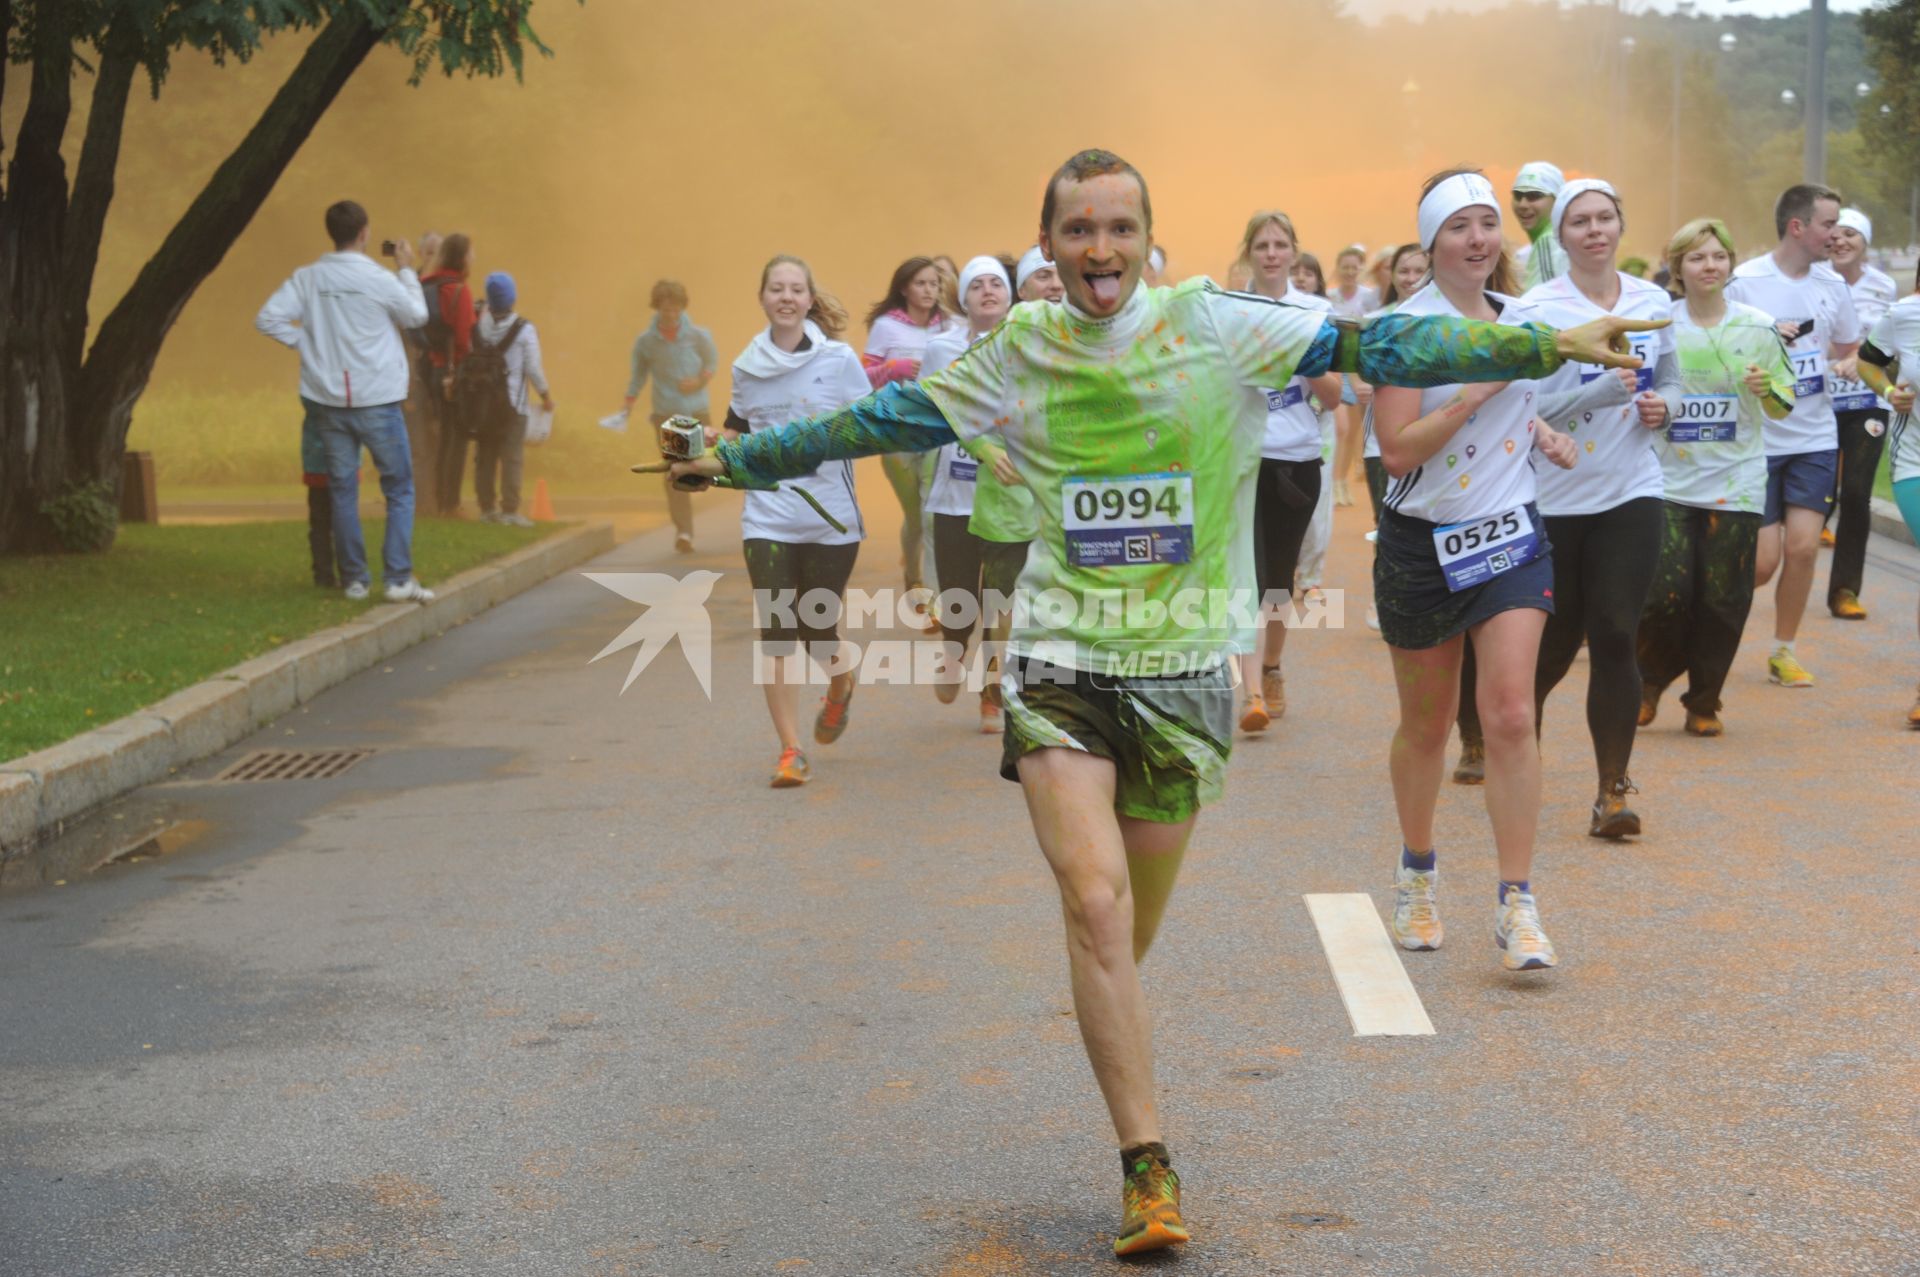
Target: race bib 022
[[1134, 521]]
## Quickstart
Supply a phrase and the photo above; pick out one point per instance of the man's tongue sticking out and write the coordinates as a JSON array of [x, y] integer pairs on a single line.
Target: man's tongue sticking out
[[1104, 287]]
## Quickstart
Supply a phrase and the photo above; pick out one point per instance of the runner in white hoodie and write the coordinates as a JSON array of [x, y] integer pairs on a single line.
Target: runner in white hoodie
[[344, 314]]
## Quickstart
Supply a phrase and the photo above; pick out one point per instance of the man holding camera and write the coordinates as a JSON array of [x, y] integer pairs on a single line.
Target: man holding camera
[[343, 314]]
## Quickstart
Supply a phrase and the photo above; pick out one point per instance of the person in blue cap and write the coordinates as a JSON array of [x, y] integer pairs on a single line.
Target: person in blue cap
[[501, 449]]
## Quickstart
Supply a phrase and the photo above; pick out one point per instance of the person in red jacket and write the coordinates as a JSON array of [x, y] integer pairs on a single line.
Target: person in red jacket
[[449, 337]]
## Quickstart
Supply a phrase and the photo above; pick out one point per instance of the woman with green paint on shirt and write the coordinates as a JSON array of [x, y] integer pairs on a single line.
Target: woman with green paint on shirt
[[1734, 375]]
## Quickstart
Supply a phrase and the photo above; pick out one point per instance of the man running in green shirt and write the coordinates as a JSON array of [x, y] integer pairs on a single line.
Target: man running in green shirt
[[1135, 416], [1535, 189]]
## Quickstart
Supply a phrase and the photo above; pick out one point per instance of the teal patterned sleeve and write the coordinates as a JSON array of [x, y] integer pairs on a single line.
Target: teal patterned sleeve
[[896, 418], [1431, 350]]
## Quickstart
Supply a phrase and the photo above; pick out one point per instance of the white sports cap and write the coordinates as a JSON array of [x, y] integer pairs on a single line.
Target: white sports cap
[[1540, 177], [1462, 190], [1854, 220], [1030, 261], [1574, 190], [982, 265]]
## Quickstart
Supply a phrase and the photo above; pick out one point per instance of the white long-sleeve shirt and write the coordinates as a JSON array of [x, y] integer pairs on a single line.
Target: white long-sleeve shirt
[[523, 357], [341, 314]]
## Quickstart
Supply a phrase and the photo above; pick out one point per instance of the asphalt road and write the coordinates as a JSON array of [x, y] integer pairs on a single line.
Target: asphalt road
[[554, 984]]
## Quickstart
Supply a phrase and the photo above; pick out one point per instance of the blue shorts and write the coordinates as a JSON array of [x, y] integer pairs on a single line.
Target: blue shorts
[[1804, 479]]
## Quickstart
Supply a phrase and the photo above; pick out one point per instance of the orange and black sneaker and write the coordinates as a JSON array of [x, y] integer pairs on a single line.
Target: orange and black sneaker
[[1253, 714], [1826, 536], [1649, 704], [832, 719], [791, 770], [1845, 606], [1150, 1199]]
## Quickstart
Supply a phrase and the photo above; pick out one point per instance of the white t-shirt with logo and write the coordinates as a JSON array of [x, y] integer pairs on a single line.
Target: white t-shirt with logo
[[1617, 458], [1898, 334], [1872, 293], [1293, 428], [1821, 304], [954, 469], [1485, 468], [772, 387], [1365, 299]]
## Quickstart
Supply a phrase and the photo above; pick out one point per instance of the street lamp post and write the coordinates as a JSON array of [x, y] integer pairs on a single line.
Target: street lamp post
[[1814, 154]]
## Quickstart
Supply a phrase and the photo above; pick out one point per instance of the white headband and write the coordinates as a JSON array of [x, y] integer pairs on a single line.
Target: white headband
[[1030, 261], [1462, 190], [1573, 191], [1854, 219], [975, 269]]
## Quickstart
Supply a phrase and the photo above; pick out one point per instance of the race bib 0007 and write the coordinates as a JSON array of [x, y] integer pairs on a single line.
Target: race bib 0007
[[1134, 521], [1705, 419], [1475, 552]]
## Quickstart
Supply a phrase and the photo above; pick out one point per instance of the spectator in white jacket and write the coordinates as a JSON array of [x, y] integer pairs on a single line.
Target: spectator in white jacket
[[502, 450], [343, 314]]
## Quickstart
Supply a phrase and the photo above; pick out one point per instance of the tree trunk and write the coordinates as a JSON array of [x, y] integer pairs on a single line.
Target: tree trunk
[[35, 447], [64, 430]]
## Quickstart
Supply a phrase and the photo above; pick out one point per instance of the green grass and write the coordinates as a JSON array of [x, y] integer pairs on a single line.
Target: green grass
[[92, 637]]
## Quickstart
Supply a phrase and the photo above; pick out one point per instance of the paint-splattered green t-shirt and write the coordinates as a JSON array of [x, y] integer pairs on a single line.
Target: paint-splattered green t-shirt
[[1139, 436], [1713, 452]]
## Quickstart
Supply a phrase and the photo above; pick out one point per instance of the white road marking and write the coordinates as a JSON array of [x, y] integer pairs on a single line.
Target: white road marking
[[1380, 999]]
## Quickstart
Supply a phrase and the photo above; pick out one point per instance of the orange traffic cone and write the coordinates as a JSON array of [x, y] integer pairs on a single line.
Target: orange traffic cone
[[542, 511]]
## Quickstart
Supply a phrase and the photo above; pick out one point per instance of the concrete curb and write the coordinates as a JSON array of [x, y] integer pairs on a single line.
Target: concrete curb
[[1888, 523], [41, 792]]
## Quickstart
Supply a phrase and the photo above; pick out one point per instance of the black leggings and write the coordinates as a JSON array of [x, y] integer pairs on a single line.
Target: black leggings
[[957, 559], [1860, 452], [1376, 485], [784, 574], [1603, 565], [1697, 608], [1285, 495]]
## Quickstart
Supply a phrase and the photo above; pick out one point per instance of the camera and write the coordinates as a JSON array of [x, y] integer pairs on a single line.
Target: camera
[[386, 248]]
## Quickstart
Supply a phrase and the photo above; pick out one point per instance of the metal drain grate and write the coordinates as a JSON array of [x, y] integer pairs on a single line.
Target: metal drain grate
[[293, 764]]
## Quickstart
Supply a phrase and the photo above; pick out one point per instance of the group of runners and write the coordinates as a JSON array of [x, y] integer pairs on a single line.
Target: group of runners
[[1577, 459]]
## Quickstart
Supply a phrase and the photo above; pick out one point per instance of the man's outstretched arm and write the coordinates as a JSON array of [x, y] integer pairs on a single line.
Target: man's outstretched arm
[[899, 417], [1441, 350]]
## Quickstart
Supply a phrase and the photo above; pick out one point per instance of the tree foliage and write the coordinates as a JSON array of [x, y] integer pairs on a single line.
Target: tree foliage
[[64, 405]]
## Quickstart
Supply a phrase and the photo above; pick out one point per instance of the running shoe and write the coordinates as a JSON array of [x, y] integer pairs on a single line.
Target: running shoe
[[1826, 536], [408, 591], [948, 677], [1612, 818], [1473, 764], [1416, 910], [792, 770], [832, 719], [1649, 704], [1913, 715], [1845, 606], [1150, 1206], [683, 543], [1273, 690], [1784, 668], [991, 720], [1704, 724], [1516, 930], [357, 591], [1373, 616], [1253, 715]]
